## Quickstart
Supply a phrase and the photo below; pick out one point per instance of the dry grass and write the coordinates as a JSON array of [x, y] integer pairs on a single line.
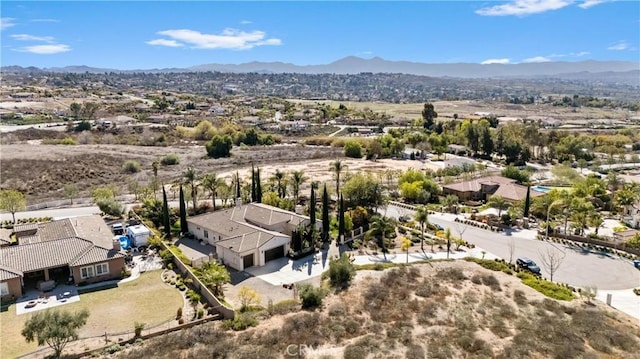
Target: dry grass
[[434, 310], [146, 300]]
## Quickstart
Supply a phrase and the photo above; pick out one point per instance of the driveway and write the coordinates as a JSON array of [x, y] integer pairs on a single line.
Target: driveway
[[579, 267]]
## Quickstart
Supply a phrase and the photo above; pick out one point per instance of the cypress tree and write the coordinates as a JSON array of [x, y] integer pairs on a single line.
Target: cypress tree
[[325, 214], [238, 195], [258, 187], [341, 226], [527, 203], [166, 221], [253, 184], [312, 215], [184, 226]]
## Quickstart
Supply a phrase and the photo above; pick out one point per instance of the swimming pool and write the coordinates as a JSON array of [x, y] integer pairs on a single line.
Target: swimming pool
[[544, 189], [125, 243]]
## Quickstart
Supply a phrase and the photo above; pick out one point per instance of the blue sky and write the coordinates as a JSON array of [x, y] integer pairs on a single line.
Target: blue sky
[[145, 35]]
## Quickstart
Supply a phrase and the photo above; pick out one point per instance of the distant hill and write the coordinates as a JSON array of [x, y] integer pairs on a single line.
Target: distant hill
[[353, 65]]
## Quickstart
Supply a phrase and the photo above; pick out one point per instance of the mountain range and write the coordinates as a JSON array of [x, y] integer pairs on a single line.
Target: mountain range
[[589, 69]]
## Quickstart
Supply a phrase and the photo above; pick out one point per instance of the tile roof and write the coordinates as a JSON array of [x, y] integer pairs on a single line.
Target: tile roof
[[46, 231], [516, 192], [5, 236], [243, 228], [8, 273], [56, 253], [247, 242], [475, 185], [94, 229], [95, 255]]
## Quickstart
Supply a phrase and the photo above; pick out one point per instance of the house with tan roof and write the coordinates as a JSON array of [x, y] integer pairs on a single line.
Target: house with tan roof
[[248, 235], [78, 250], [481, 189]]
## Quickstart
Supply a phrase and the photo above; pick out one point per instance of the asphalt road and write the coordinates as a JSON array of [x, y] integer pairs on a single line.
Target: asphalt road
[[579, 267]]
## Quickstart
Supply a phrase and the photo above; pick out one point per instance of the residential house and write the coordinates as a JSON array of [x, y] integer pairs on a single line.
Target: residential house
[[481, 189], [248, 235], [78, 250]]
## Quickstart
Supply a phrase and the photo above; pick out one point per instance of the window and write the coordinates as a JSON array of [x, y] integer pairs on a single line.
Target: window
[[102, 269], [206, 234], [86, 272], [4, 289]]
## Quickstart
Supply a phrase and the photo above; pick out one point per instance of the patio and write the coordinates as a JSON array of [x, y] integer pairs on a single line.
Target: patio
[[34, 300]]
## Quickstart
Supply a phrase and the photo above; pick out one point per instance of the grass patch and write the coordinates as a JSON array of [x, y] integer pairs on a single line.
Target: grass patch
[[551, 290], [113, 310], [494, 265]]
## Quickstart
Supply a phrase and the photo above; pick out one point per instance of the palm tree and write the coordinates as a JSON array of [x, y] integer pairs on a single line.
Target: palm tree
[[626, 198], [337, 167], [596, 221], [297, 179], [212, 183], [613, 183], [449, 201], [280, 179], [498, 202], [422, 217], [190, 177], [380, 226]]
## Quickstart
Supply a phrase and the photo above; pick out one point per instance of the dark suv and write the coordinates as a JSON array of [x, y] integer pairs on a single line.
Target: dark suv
[[528, 264]]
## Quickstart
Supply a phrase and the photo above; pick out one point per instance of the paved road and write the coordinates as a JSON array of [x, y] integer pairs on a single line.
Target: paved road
[[579, 267]]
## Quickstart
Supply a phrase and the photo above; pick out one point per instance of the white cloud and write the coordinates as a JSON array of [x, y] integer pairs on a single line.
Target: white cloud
[[44, 20], [580, 54], [45, 49], [495, 61], [619, 46], [26, 37], [523, 7], [164, 42], [591, 3], [246, 22], [229, 39], [536, 59], [6, 22]]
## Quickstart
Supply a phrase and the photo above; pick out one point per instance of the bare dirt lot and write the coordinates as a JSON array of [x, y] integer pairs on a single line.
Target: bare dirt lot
[[42, 171]]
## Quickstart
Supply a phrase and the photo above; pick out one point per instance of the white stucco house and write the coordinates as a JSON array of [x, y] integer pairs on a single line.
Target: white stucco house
[[248, 235]]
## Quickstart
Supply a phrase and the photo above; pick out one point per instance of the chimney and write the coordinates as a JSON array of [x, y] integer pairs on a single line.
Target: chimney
[[238, 202], [116, 244]]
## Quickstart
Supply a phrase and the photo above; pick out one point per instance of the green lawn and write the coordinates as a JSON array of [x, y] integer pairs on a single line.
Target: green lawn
[[147, 299]]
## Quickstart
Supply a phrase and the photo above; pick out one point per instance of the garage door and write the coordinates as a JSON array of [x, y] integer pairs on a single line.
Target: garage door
[[274, 253], [247, 261]]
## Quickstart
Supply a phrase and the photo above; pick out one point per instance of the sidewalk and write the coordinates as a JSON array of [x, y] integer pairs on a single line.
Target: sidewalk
[[623, 300]]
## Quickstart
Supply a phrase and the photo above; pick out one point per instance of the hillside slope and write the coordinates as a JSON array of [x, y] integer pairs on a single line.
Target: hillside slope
[[438, 310]]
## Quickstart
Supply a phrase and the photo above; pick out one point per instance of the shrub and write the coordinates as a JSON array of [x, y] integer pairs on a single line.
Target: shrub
[[341, 271], [200, 313], [311, 296], [113, 348], [219, 146], [170, 160], [138, 328], [241, 321], [550, 289], [110, 206], [179, 313], [352, 149], [520, 297], [131, 166], [68, 141]]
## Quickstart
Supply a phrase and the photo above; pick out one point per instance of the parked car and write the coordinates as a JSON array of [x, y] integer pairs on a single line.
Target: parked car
[[404, 219], [439, 227], [528, 264]]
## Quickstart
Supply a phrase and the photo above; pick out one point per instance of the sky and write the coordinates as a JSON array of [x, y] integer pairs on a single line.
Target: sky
[[162, 34]]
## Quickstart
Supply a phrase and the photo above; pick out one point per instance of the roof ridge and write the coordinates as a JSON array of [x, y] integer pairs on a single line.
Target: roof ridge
[[90, 246]]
